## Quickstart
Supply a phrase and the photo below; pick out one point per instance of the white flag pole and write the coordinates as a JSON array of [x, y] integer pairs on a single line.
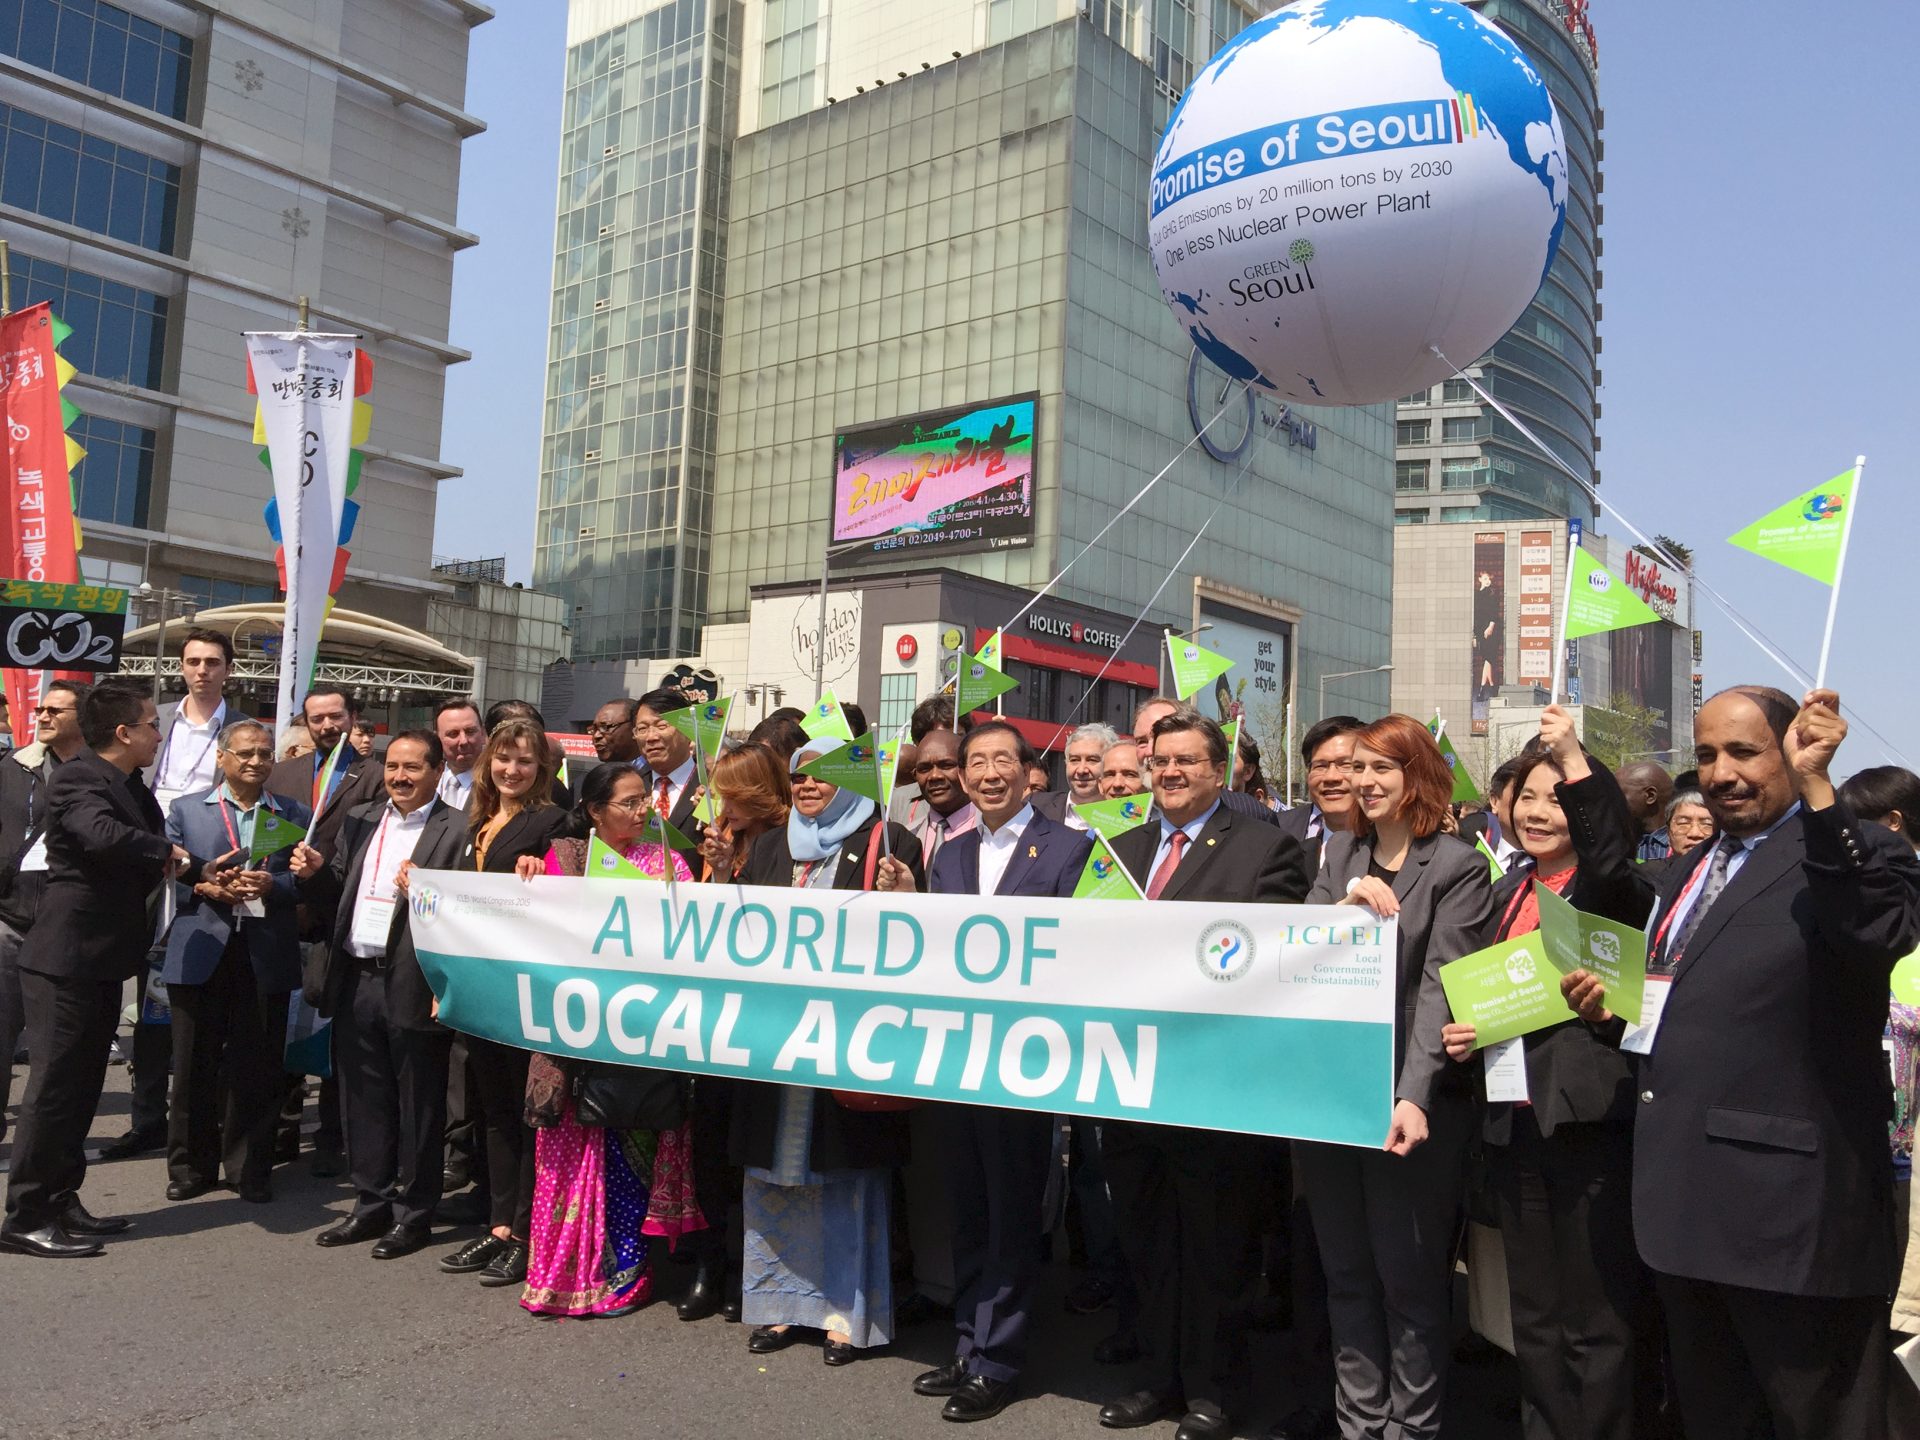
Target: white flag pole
[[1560, 628], [1839, 571]]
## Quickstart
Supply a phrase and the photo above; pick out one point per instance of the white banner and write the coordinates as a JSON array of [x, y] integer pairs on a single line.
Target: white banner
[[305, 385]]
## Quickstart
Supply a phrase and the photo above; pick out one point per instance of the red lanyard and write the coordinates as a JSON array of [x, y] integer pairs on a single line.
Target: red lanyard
[[1680, 902], [379, 849]]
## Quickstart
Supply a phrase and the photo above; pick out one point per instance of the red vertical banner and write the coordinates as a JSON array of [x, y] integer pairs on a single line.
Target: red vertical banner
[[38, 540]]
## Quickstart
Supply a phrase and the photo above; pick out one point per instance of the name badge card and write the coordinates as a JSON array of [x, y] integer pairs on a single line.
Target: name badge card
[[372, 922]]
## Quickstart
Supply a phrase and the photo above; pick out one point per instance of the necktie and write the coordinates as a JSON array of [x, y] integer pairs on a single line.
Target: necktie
[[1709, 892], [665, 790], [936, 836], [1163, 872]]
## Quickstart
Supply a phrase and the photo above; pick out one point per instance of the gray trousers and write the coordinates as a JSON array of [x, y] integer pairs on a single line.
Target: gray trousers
[[1386, 1226], [13, 1018]]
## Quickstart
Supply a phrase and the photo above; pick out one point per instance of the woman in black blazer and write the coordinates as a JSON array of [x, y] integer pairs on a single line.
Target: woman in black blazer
[[818, 1191], [1386, 1218], [1561, 1163], [512, 814]]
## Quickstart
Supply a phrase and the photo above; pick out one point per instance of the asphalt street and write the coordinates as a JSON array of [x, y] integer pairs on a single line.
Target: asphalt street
[[215, 1318]]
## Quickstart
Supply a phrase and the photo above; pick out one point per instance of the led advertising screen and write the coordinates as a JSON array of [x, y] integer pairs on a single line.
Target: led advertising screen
[[936, 484]]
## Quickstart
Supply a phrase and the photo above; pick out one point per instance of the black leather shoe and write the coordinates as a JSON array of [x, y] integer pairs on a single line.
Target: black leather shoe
[[978, 1399], [766, 1339], [1088, 1297], [1143, 1407], [327, 1163], [705, 1295], [49, 1242], [1308, 1422], [79, 1221], [730, 1307], [508, 1266], [401, 1240], [1198, 1425], [944, 1381], [135, 1142], [187, 1189], [472, 1257], [839, 1352], [354, 1230], [1120, 1348], [255, 1192]]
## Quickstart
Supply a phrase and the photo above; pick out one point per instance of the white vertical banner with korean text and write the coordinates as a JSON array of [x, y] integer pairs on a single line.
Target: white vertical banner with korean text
[[305, 385]]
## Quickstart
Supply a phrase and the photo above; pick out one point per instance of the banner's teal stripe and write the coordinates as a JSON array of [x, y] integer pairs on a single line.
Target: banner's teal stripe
[[1217, 1072]]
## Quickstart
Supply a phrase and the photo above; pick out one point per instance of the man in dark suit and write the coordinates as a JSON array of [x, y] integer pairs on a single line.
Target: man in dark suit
[[1188, 1201], [1327, 750], [994, 1161], [1150, 713], [667, 761], [1762, 1196], [389, 1051], [232, 963], [106, 854]]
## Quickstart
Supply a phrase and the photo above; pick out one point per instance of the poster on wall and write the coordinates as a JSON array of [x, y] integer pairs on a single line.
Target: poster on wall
[[1254, 691], [941, 483], [1536, 607], [1489, 621]]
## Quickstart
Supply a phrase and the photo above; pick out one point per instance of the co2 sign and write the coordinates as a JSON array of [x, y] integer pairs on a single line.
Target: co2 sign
[[61, 627]]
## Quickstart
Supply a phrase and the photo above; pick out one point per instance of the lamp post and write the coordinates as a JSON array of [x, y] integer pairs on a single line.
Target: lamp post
[[820, 631], [1320, 711], [1160, 661]]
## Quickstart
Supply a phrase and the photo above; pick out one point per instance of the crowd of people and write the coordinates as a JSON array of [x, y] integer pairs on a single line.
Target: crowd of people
[[1702, 1214]]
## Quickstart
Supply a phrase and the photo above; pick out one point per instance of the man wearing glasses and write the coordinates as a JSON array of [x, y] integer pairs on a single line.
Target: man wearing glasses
[[23, 817], [1328, 753], [611, 731]]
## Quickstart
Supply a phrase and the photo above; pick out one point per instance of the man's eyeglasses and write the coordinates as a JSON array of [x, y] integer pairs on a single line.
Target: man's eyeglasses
[[596, 728], [50, 712], [258, 756], [1178, 762], [1324, 767]]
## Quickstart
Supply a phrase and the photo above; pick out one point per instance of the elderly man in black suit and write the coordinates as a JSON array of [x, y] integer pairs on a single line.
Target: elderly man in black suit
[[994, 1161], [389, 1051], [1188, 1201], [106, 853], [1762, 1196]]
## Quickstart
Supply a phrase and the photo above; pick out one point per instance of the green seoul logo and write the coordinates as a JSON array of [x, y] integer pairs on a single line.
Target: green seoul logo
[[1301, 252], [1225, 950]]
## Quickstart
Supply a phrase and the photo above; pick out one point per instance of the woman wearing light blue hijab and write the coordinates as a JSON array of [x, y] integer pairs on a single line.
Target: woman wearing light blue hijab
[[818, 1187]]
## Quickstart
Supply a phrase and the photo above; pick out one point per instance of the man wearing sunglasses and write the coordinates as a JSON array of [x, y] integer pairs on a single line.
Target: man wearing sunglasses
[[24, 774]]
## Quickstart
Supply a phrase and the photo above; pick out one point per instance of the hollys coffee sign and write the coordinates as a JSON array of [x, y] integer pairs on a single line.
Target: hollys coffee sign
[[1059, 627]]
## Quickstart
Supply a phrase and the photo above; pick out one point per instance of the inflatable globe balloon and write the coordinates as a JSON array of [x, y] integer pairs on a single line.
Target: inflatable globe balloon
[[1350, 184]]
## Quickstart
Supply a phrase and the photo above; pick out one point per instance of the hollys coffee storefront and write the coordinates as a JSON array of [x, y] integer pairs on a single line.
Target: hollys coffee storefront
[[894, 640]]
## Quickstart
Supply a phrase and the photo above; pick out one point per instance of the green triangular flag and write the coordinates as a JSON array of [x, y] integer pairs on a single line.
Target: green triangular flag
[[662, 831], [1804, 534], [1465, 792], [978, 685], [1104, 877], [606, 863], [1493, 860], [273, 833], [707, 808], [61, 330], [856, 766], [705, 723], [886, 764], [1600, 600], [69, 412], [992, 653], [1194, 666], [1110, 819], [826, 720], [1616, 953], [1231, 729]]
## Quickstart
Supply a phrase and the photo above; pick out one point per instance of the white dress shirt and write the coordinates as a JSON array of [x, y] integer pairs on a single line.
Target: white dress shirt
[[457, 789], [1690, 896], [677, 782], [393, 844], [996, 848], [187, 761]]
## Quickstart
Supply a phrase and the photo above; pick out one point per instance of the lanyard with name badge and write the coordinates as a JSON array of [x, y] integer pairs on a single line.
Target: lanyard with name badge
[[253, 906], [166, 752], [373, 913], [1638, 1039]]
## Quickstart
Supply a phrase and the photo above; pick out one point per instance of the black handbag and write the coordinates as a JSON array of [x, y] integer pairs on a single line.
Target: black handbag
[[629, 1097]]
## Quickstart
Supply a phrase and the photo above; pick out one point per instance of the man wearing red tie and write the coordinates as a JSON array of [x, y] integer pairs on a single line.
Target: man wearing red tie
[[666, 759], [1187, 1200]]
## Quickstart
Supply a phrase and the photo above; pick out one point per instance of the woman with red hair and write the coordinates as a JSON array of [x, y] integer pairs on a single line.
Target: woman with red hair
[[1386, 1219]]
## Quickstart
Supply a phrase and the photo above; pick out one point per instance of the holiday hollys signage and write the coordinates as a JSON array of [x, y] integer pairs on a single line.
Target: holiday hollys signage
[[309, 420], [39, 540]]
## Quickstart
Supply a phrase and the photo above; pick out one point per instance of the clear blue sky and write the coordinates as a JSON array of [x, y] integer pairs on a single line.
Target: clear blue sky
[[1759, 308]]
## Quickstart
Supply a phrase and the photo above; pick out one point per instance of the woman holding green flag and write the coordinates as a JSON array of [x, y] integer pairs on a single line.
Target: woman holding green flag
[[1557, 1118]]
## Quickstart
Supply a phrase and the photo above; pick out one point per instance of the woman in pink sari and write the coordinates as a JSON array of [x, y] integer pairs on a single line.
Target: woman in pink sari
[[600, 1195]]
